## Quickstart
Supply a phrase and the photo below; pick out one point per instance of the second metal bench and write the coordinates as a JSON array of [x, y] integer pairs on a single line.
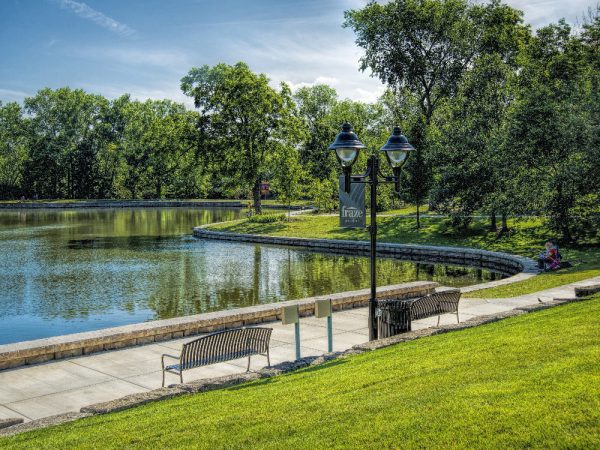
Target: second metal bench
[[396, 316]]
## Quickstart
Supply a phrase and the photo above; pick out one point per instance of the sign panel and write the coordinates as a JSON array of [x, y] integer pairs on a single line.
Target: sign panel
[[289, 315], [352, 206], [322, 308]]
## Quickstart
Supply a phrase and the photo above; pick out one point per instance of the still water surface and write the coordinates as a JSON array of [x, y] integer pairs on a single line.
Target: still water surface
[[66, 271]]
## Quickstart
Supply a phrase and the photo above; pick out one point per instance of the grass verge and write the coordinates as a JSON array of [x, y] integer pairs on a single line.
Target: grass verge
[[528, 381], [539, 283]]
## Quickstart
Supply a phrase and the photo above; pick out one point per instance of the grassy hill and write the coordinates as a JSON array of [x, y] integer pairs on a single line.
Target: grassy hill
[[528, 381]]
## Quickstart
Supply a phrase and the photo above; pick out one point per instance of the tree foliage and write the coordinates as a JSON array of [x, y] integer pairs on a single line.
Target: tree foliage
[[13, 149], [552, 124], [505, 122], [249, 118], [425, 47]]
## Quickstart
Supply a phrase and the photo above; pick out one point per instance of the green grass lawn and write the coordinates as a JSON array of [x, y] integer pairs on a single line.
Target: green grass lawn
[[406, 210], [528, 381], [526, 238], [538, 283]]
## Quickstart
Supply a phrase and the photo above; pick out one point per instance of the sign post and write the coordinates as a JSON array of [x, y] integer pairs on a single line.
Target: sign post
[[291, 314], [323, 309], [352, 206]]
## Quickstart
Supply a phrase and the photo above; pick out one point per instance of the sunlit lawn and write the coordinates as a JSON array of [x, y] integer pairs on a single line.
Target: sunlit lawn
[[529, 381]]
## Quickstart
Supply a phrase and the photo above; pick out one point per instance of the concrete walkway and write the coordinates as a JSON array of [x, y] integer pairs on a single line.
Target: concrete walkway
[[38, 391]]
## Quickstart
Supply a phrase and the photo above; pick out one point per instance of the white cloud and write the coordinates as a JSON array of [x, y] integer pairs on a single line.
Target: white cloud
[[304, 59], [327, 80], [167, 90], [171, 59], [10, 95], [301, 49], [542, 12], [86, 12]]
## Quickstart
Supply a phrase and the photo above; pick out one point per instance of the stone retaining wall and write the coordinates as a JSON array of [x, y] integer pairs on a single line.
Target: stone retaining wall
[[496, 261], [41, 350]]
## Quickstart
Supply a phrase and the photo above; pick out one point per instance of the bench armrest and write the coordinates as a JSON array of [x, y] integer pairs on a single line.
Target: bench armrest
[[162, 358]]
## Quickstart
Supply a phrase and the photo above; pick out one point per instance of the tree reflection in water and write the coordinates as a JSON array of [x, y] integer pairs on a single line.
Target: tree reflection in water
[[65, 271]]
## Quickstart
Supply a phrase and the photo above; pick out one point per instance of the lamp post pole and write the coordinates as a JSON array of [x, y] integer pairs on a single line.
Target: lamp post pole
[[397, 148], [373, 168]]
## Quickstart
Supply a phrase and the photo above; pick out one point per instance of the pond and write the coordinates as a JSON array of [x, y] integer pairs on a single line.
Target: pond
[[73, 270]]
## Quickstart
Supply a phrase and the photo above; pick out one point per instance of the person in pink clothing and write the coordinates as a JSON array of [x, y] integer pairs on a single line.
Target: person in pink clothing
[[549, 259]]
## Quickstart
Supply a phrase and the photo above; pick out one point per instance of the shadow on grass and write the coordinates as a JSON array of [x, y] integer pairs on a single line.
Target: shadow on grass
[[261, 228]]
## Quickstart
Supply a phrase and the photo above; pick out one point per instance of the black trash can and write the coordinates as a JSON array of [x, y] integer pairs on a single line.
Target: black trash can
[[393, 317]]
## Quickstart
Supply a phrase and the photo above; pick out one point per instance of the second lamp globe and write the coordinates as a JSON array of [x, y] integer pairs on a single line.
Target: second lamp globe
[[397, 149]]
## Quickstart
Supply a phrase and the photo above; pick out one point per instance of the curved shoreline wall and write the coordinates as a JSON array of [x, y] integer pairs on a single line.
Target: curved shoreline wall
[[496, 261], [59, 347]]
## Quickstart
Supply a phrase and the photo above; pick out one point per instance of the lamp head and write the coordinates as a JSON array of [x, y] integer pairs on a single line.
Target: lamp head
[[346, 146], [397, 149]]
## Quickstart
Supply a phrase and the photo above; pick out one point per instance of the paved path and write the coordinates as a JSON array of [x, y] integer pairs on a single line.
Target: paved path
[[43, 390]]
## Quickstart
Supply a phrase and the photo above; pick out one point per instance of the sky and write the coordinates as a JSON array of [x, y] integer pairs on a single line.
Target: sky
[[145, 47]]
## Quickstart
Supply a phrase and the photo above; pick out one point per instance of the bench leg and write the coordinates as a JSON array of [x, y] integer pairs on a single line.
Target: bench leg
[[457, 318], [248, 369], [180, 378], [268, 358], [438, 324]]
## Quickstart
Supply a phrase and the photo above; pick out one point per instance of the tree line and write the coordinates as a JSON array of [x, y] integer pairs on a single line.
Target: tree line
[[505, 120]]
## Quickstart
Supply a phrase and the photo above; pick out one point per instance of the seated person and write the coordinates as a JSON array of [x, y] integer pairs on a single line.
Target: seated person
[[550, 258]]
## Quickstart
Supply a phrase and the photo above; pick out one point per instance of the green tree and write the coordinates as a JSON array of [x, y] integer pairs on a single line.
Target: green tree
[[159, 140], [249, 118], [315, 105], [63, 142], [323, 193], [425, 47], [473, 170], [112, 167], [170, 140], [287, 179], [552, 125], [587, 206], [13, 149]]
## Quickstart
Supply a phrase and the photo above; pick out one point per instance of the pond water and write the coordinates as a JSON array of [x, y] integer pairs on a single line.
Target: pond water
[[72, 270]]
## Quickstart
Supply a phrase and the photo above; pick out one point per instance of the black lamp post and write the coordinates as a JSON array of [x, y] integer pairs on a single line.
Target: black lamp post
[[347, 146]]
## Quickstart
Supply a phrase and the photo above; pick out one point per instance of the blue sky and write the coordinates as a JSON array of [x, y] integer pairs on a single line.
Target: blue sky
[[144, 47]]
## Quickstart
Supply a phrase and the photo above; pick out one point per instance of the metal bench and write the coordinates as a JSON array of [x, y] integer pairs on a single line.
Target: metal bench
[[436, 304], [396, 316], [220, 347]]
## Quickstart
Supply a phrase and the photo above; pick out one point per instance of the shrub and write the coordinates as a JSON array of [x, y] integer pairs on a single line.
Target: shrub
[[267, 218]]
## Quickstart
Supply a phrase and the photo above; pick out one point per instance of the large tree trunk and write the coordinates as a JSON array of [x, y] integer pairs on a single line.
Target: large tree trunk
[[562, 216], [493, 224], [158, 187], [504, 228], [256, 196], [70, 192]]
